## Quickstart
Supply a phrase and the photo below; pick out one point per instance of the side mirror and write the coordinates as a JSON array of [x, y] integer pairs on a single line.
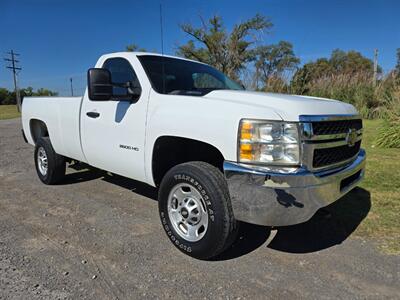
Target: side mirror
[[100, 87]]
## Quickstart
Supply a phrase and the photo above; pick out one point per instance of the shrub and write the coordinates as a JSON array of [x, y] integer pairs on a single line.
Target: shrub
[[389, 132], [372, 101]]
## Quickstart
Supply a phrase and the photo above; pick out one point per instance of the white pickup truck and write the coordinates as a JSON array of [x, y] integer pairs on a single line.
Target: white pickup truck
[[216, 152]]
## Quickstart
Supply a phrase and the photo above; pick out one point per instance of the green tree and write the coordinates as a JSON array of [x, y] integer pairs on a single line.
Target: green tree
[[44, 92], [350, 62], [397, 68], [27, 92], [134, 47], [8, 97], [3, 95], [273, 60], [309, 72], [340, 63], [229, 52]]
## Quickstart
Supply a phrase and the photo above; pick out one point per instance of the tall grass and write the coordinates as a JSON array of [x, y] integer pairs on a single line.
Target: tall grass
[[389, 132], [380, 100], [373, 101]]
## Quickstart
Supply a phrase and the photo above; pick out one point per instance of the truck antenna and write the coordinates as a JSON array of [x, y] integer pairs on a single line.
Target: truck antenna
[[162, 48], [161, 31]]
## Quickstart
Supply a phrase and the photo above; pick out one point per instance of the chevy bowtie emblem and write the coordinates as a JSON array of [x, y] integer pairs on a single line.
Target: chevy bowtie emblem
[[351, 137]]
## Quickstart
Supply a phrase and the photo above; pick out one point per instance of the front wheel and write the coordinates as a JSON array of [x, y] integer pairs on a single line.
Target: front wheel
[[195, 209]]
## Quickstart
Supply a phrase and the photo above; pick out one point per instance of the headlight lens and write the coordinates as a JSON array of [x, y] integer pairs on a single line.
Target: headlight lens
[[268, 142]]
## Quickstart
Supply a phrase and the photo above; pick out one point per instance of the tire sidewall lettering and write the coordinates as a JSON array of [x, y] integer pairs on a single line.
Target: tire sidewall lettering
[[173, 238], [164, 217], [202, 191]]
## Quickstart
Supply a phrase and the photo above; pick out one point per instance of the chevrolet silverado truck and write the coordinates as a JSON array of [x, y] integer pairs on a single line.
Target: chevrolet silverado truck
[[217, 153]]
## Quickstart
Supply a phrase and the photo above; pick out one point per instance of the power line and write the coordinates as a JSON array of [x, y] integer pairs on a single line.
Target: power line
[[15, 70]]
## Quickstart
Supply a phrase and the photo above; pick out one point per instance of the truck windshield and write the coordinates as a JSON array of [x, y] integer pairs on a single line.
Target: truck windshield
[[182, 77]]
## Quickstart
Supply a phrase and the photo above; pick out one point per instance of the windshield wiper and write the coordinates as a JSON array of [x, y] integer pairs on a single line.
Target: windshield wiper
[[186, 92], [195, 92]]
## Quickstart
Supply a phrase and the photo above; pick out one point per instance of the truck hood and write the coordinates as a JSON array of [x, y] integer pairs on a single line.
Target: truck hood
[[288, 107]]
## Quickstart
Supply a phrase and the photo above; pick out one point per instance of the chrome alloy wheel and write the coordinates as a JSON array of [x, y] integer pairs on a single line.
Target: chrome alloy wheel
[[42, 161], [187, 212]]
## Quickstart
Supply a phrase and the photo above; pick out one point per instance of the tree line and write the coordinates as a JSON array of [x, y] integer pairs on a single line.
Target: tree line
[[9, 97], [242, 48]]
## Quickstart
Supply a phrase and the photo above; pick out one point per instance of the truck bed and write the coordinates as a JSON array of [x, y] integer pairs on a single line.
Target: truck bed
[[62, 116]]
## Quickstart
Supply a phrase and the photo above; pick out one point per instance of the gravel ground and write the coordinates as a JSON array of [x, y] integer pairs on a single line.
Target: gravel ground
[[98, 236]]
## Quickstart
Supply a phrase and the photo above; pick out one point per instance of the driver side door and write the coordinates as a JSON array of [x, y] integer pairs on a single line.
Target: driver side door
[[113, 132]]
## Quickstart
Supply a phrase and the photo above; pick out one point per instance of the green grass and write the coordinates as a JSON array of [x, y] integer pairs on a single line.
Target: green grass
[[8, 112], [382, 181]]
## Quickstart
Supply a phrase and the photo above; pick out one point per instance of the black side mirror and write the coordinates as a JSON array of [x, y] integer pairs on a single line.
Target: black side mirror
[[100, 86]]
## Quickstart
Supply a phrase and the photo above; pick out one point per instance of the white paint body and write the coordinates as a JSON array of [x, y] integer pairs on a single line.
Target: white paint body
[[213, 118]]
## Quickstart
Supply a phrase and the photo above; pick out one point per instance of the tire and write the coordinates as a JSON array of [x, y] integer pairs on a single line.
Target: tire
[[55, 171], [194, 198]]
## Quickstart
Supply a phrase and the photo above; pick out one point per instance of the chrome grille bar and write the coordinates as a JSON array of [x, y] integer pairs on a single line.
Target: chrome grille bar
[[312, 141]]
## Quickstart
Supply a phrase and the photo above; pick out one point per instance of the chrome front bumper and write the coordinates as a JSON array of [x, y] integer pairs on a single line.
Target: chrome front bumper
[[287, 197]]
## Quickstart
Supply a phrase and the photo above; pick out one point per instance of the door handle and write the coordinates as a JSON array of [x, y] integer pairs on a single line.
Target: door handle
[[93, 114]]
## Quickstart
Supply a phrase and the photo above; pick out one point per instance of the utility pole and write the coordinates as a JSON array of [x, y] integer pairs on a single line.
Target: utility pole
[[72, 88], [375, 66], [14, 69]]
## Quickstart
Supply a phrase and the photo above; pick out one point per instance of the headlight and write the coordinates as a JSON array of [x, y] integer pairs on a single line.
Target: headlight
[[268, 142]]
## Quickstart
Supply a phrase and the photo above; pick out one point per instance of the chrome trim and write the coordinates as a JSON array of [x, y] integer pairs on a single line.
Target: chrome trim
[[318, 118], [332, 166], [306, 130], [310, 141], [327, 136], [322, 171], [331, 144], [279, 199], [308, 156]]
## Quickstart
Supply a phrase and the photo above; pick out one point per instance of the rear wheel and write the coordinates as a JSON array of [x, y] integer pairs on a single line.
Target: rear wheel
[[50, 166], [195, 209]]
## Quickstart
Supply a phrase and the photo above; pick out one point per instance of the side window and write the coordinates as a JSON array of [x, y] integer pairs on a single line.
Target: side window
[[121, 72], [205, 80]]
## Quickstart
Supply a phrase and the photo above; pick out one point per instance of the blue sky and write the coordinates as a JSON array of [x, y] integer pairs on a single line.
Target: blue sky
[[62, 39]]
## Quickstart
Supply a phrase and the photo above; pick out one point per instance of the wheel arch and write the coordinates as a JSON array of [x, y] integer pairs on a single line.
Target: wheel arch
[[169, 151], [38, 129]]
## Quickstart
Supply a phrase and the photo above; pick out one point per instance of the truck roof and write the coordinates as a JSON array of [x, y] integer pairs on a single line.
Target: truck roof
[[139, 53]]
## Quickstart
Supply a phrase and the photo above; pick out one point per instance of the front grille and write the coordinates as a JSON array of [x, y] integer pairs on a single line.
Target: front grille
[[329, 156], [335, 127], [330, 141]]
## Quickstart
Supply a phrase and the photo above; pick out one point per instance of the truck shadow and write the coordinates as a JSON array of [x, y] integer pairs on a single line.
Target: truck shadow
[[88, 173], [84, 173], [328, 227], [133, 185]]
